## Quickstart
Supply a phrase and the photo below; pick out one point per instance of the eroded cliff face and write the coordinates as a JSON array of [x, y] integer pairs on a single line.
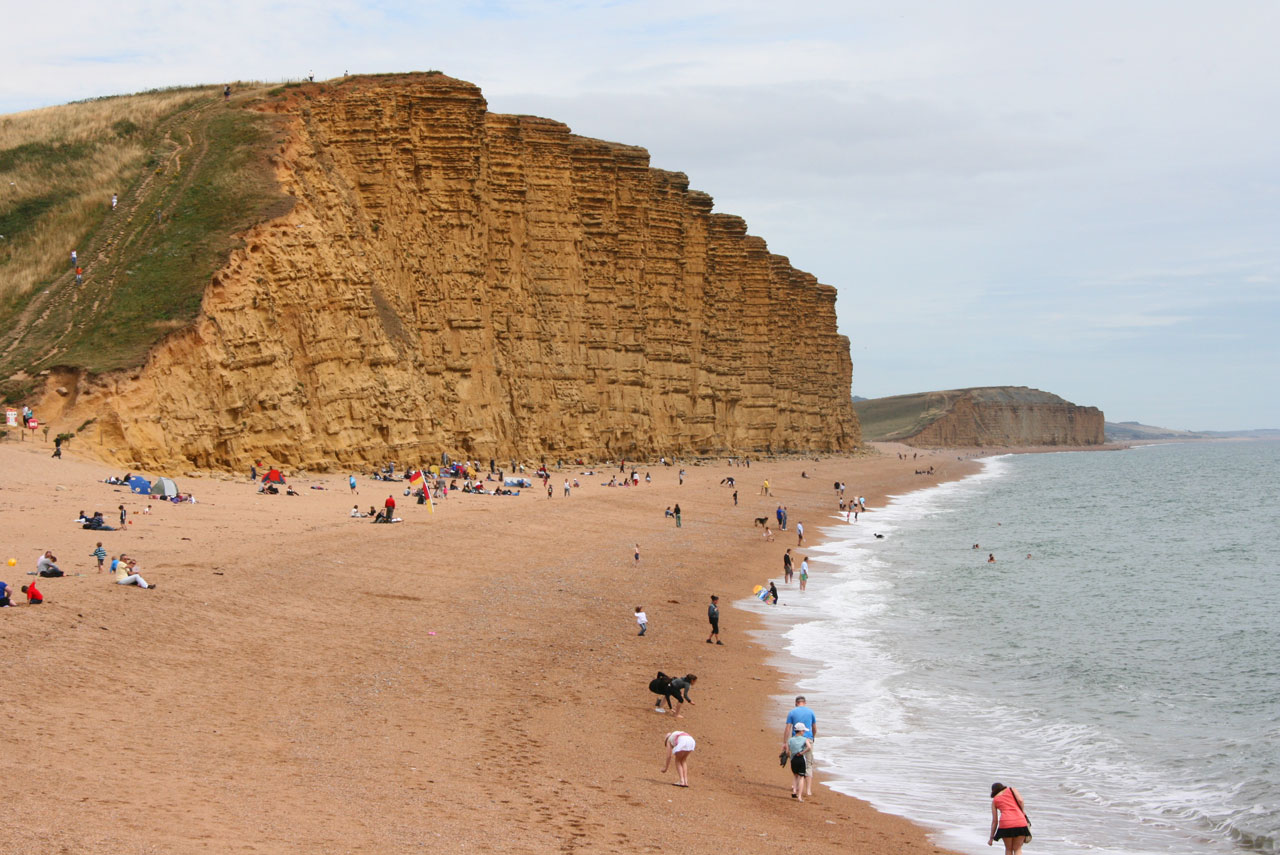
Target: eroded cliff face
[[977, 420], [456, 280]]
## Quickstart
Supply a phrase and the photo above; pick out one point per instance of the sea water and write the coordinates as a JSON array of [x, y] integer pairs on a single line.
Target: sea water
[[1117, 663]]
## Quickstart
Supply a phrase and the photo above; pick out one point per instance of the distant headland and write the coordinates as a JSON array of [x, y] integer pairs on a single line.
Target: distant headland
[[989, 416]]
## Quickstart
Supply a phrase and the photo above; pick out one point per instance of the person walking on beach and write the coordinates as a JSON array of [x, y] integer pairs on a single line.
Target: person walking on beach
[[637, 553], [124, 516], [804, 572], [351, 482], [799, 747], [679, 746], [764, 488], [390, 506], [713, 616], [787, 570], [100, 554], [773, 593], [801, 714], [641, 621], [1008, 819], [778, 516], [57, 447], [735, 498], [799, 534], [73, 259], [677, 513]]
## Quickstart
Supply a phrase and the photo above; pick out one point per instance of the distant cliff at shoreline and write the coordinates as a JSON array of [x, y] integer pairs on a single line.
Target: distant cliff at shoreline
[[994, 416], [1138, 432], [442, 278]]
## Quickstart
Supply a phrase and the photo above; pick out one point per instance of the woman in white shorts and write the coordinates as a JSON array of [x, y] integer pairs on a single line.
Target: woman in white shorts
[[679, 745]]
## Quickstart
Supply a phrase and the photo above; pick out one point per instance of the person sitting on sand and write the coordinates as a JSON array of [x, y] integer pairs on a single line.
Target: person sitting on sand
[[667, 512], [355, 512], [679, 746], [289, 491], [127, 574], [768, 535], [34, 597], [5, 591], [47, 566]]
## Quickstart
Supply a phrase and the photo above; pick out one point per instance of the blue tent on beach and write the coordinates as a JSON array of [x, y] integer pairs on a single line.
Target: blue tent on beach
[[138, 484]]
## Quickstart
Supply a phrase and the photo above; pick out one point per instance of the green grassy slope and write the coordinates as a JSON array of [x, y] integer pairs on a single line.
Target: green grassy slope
[[204, 178]]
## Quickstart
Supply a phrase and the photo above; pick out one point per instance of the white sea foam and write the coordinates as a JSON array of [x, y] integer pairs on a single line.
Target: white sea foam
[[920, 726]]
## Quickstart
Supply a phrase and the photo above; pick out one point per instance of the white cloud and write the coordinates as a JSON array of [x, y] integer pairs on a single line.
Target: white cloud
[[1002, 183]]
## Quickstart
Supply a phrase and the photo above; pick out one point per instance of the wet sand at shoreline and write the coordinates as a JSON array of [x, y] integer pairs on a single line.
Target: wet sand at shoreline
[[467, 681]]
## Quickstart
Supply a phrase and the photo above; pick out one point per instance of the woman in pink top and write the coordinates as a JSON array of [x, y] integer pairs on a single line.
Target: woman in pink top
[[1008, 819]]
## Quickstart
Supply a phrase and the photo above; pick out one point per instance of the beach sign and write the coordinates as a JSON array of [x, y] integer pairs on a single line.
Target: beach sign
[[11, 418], [32, 423]]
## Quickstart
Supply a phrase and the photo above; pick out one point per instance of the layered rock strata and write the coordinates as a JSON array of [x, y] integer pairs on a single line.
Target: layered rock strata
[[488, 285]]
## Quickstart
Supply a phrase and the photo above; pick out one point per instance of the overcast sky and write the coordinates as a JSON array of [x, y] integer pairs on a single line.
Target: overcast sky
[[1082, 197]]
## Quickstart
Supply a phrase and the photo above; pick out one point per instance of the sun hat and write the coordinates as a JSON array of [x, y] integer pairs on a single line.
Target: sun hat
[[800, 726]]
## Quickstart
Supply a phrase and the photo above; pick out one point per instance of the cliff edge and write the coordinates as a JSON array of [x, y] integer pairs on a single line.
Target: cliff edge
[[450, 279], [998, 416]]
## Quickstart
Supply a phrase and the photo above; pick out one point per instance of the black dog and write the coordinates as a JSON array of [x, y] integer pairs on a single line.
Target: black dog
[[763, 522]]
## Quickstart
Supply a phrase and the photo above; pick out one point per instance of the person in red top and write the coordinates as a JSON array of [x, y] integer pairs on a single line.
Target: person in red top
[[390, 505], [34, 597], [1008, 819]]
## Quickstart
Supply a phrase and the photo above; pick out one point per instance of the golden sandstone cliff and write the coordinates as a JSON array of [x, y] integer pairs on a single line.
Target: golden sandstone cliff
[[451, 279]]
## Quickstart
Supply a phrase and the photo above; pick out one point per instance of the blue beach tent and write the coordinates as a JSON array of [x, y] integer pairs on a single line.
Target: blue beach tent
[[138, 484]]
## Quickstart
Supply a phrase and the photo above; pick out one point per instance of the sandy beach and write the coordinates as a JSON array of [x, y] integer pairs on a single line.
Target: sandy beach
[[466, 681]]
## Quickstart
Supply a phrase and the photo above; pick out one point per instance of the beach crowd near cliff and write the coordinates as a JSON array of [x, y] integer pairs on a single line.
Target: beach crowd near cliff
[[474, 679]]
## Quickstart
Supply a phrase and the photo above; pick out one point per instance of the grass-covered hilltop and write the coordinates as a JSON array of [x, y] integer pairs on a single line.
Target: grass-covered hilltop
[[190, 169]]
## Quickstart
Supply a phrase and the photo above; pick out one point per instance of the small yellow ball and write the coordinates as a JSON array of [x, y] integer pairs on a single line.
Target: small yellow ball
[[13, 562]]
